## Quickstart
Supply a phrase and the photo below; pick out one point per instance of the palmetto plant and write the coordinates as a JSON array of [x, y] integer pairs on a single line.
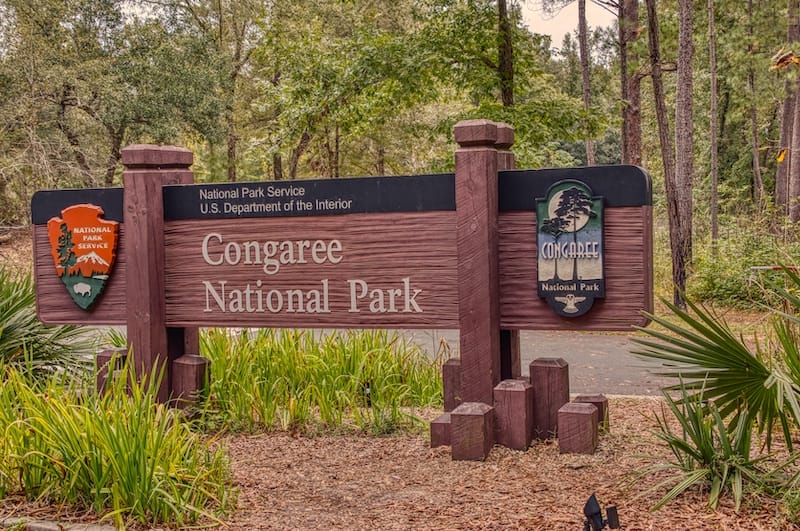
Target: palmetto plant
[[25, 341], [703, 352], [728, 389], [707, 452]]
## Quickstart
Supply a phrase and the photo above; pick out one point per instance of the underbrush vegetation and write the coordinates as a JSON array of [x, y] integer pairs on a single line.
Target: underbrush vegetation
[[734, 272], [309, 381], [729, 391], [119, 453], [27, 343]]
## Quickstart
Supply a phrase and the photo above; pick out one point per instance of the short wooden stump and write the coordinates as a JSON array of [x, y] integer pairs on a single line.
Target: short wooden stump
[[601, 403], [577, 428], [189, 378], [451, 383], [471, 431], [513, 414], [440, 430], [550, 380], [104, 370]]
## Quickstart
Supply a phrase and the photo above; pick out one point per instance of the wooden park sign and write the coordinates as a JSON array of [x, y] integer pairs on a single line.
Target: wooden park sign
[[459, 250]]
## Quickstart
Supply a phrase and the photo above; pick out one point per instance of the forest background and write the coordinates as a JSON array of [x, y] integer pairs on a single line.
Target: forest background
[[701, 94]]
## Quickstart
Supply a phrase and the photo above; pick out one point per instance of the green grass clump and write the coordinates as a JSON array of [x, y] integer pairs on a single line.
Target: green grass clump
[[302, 380], [27, 343], [119, 453]]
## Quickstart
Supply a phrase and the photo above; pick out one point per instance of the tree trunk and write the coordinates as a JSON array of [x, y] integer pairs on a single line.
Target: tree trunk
[[630, 82], [782, 172], [231, 146], [783, 182], [277, 167], [297, 152], [713, 125], [794, 164], [114, 156], [676, 233], [380, 162], [758, 184], [684, 148], [505, 62], [584, 51]]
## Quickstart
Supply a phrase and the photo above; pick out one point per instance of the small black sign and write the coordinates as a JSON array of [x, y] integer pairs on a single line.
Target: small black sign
[[570, 248]]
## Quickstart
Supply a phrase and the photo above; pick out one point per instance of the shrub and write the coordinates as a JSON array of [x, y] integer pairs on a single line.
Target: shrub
[[120, 453], [708, 454], [724, 274], [268, 379], [27, 343]]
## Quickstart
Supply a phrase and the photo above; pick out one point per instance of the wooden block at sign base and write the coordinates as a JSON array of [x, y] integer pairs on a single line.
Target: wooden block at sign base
[[513, 414], [189, 374], [102, 364], [577, 428], [451, 382], [440, 430], [601, 403], [471, 431], [550, 380]]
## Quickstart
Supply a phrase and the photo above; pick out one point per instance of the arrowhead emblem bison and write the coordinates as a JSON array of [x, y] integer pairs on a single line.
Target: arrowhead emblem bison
[[84, 248]]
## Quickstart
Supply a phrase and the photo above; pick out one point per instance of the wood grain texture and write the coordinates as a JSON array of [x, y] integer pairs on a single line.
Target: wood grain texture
[[471, 431], [513, 408], [601, 403], [550, 380], [406, 252], [55, 306], [628, 238], [628, 273], [510, 345], [478, 286], [440, 430], [144, 287], [451, 383], [577, 428]]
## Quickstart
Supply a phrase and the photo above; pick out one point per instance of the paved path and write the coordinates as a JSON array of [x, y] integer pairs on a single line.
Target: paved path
[[598, 363]]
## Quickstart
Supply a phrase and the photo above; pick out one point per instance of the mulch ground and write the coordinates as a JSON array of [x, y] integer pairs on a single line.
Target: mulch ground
[[401, 483]]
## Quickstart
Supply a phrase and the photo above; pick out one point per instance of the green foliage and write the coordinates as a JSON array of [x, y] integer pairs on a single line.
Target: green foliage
[[708, 454], [723, 273], [25, 342], [302, 380], [120, 453], [722, 379], [707, 357]]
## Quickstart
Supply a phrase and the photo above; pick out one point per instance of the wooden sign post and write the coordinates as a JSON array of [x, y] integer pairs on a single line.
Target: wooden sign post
[[425, 251]]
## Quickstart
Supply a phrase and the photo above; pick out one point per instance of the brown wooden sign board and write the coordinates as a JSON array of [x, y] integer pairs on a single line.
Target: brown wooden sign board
[[354, 253]]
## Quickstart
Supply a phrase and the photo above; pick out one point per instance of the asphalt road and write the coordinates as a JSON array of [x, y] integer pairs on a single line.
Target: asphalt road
[[598, 362]]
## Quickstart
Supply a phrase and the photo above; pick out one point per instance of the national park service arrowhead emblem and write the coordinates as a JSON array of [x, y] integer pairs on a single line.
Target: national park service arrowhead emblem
[[83, 247], [570, 248]]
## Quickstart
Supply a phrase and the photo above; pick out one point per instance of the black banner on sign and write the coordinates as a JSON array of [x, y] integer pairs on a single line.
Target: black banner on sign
[[418, 193], [46, 204], [620, 186]]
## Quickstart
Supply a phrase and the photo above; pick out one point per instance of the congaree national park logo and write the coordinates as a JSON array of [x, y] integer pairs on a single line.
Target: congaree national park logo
[[570, 248], [84, 247]]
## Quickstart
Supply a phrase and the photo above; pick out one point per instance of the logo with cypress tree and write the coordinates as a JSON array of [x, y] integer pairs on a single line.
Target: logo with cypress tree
[[570, 248], [84, 249]]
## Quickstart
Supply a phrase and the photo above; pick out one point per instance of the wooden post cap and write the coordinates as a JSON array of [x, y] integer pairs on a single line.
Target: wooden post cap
[[505, 136], [154, 156], [475, 133]]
